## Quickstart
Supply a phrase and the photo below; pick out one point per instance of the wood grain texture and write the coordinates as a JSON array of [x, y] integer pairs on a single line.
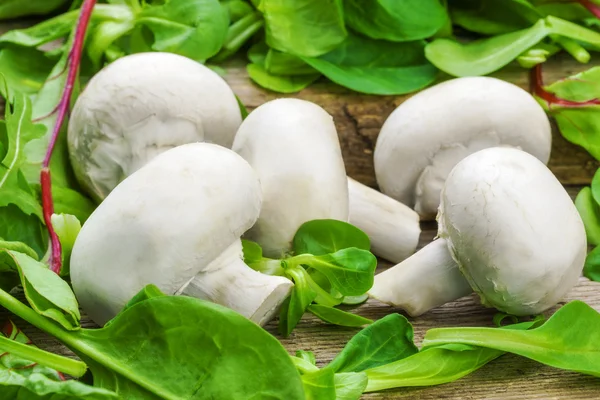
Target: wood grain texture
[[358, 119]]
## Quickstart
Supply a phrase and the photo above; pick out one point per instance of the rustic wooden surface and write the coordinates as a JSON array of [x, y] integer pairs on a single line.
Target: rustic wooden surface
[[358, 119]]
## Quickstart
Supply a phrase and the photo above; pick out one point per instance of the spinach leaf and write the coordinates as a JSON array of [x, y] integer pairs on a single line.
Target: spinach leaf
[[399, 21], [45, 291], [10, 9], [238, 34], [16, 226], [319, 385], [487, 55], [338, 317], [279, 83], [279, 63], [25, 69], [349, 385], [196, 29], [300, 298], [20, 378], [376, 66], [304, 27], [308, 356], [574, 348], [324, 236], [167, 327], [435, 365], [349, 270], [590, 215], [493, 17], [591, 269], [384, 341]]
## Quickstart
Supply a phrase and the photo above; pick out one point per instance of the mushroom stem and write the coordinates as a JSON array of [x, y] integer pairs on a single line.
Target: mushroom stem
[[424, 281], [392, 226], [228, 281]]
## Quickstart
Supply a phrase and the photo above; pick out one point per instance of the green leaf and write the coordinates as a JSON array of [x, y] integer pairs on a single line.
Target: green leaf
[[324, 236], [319, 385], [67, 228], [307, 356], [25, 69], [354, 300], [148, 292], [487, 55], [16, 226], [237, 9], [349, 270], [338, 317], [18, 247], [45, 291], [279, 83], [579, 125], [568, 340], [196, 29], [493, 17], [252, 251], [19, 131], [591, 269], [399, 21], [10, 9], [350, 385], [42, 33], [104, 35], [69, 201], [435, 365], [152, 358], [483, 56], [22, 379], [304, 27], [295, 306], [384, 341], [279, 63], [595, 185], [590, 215], [376, 66]]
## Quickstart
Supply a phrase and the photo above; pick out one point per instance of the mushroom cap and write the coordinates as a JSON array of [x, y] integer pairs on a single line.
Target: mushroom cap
[[140, 106], [163, 224], [294, 148], [428, 134], [513, 230]]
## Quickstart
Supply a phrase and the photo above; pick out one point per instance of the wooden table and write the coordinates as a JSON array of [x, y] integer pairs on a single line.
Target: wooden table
[[358, 119]]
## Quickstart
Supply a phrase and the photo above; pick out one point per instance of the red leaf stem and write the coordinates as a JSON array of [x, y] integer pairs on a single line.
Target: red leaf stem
[[591, 6], [536, 84], [62, 109]]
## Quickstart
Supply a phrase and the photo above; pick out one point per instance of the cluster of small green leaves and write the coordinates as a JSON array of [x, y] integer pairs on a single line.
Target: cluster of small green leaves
[[384, 356], [331, 265], [588, 205]]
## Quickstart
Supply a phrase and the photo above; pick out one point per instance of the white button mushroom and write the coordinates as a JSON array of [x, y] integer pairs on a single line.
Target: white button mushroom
[[393, 227], [509, 226], [293, 146], [140, 106], [176, 222], [428, 134]]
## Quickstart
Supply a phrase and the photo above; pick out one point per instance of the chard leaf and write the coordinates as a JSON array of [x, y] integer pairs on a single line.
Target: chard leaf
[[45, 291], [25, 69], [386, 340], [67, 228], [304, 27], [376, 66], [349, 270], [590, 215], [193, 28], [591, 268], [568, 340], [324, 236], [338, 317], [579, 125], [399, 21], [280, 83]]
